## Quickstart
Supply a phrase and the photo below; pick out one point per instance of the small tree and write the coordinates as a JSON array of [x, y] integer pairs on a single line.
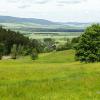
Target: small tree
[[34, 54], [14, 52], [88, 48], [20, 50], [49, 44], [1, 50], [68, 45]]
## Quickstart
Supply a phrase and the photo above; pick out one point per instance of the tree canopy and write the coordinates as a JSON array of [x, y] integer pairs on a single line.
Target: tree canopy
[[9, 38], [88, 48]]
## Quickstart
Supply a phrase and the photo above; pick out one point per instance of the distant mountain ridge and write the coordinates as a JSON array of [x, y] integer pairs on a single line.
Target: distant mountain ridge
[[9, 19], [40, 25]]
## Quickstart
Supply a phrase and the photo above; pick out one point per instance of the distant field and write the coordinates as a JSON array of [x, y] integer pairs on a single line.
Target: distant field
[[48, 36], [37, 31], [54, 76], [53, 35], [58, 37]]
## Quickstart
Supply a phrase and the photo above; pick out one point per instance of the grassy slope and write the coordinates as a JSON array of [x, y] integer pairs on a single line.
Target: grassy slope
[[54, 76]]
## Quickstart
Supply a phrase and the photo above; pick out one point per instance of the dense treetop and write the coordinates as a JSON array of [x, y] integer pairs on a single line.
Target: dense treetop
[[88, 48]]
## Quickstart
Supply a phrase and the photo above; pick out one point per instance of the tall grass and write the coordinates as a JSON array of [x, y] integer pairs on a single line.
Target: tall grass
[[54, 76]]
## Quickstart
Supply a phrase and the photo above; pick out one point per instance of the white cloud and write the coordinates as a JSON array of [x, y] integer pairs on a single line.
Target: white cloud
[[56, 10], [71, 1]]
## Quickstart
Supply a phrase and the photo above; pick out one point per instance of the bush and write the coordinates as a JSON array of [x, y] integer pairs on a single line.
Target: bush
[[20, 50], [38, 44], [60, 48], [88, 48], [14, 52], [34, 54], [1, 50], [0, 56], [49, 45], [65, 46], [75, 40]]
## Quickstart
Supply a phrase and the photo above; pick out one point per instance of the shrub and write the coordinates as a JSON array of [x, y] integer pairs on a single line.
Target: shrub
[[49, 45], [34, 54], [1, 50], [14, 52], [20, 50]]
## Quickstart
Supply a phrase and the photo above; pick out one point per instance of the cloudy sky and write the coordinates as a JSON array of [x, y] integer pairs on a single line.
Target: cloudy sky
[[54, 10]]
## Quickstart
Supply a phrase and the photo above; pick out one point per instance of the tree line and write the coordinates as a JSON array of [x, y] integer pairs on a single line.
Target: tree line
[[87, 46], [15, 44]]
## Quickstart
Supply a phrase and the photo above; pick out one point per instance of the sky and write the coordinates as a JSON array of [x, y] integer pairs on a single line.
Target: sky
[[53, 10]]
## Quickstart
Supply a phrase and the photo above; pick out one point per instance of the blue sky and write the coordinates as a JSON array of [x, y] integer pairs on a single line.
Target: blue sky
[[54, 10]]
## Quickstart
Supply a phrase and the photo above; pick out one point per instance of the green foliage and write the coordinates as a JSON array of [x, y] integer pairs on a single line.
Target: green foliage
[[75, 40], [66, 46], [1, 50], [9, 38], [39, 45], [88, 49], [20, 50], [34, 54], [23, 44], [49, 44], [61, 48], [14, 52]]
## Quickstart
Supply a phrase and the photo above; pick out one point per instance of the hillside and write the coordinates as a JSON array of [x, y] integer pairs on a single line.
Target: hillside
[[40, 25], [49, 79], [9, 19]]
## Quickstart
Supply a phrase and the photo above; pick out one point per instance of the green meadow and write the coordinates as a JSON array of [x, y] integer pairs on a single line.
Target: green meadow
[[53, 76]]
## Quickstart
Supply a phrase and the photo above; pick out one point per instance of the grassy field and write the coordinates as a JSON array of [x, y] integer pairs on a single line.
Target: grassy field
[[54, 76], [40, 36]]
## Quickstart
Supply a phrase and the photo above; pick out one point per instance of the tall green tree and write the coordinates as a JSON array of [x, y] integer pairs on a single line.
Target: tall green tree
[[88, 48]]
